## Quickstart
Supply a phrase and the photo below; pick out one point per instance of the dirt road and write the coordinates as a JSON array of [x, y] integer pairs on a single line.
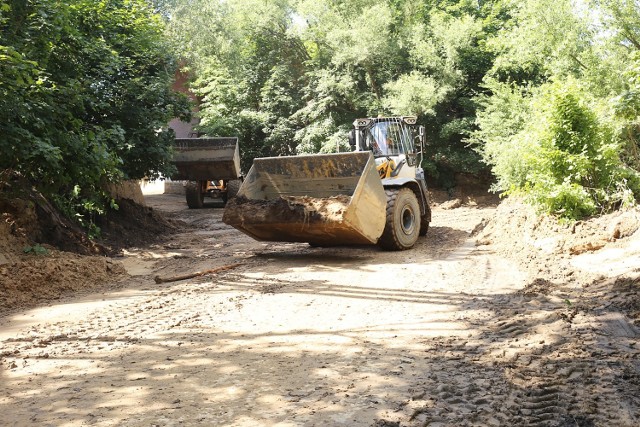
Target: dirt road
[[447, 334]]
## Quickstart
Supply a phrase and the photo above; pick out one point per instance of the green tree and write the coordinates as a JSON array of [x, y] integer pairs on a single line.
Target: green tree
[[620, 70], [250, 70], [85, 95], [548, 127]]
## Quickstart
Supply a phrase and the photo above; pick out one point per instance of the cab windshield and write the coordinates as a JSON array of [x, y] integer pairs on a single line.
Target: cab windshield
[[388, 138]]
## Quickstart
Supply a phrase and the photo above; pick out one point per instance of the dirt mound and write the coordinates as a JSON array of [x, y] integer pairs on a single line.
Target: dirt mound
[[593, 263], [51, 274], [31, 218], [539, 241], [44, 256], [135, 225], [32, 272]]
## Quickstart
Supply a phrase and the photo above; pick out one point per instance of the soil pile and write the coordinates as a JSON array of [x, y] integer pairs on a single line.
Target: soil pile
[[48, 276], [135, 225], [43, 256], [330, 208], [539, 241], [287, 209], [32, 272], [594, 263]]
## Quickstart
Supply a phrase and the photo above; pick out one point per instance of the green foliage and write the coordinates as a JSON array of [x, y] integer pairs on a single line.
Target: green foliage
[[84, 206], [414, 94], [291, 76], [35, 249], [85, 96], [500, 137], [544, 38], [627, 110], [552, 148], [559, 120]]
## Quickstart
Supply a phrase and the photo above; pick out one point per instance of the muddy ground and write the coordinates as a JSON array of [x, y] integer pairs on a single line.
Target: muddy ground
[[497, 317]]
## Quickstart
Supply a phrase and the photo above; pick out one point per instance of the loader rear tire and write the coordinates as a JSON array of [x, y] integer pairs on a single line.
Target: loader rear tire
[[424, 225], [403, 220], [195, 198]]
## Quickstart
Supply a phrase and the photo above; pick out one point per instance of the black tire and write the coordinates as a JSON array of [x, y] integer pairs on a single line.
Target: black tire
[[233, 186], [403, 220], [195, 198], [424, 225]]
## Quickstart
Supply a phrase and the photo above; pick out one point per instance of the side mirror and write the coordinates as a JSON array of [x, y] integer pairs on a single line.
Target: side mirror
[[352, 138], [421, 141]]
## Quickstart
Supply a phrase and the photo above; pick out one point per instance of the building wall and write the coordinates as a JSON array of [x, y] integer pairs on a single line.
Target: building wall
[[185, 129], [182, 130]]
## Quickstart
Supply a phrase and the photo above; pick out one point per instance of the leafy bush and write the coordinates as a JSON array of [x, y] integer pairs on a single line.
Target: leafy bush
[[500, 138], [35, 249], [554, 149]]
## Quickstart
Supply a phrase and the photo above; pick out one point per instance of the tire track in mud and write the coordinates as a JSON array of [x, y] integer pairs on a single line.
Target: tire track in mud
[[512, 377], [120, 324]]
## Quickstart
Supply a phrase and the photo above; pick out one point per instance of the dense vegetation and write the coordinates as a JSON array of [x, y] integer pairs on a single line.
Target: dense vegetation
[[291, 76], [544, 94], [559, 122], [85, 97]]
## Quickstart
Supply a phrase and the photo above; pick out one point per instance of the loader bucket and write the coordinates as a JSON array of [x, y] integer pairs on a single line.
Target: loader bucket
[[202, 159], [332, 199]]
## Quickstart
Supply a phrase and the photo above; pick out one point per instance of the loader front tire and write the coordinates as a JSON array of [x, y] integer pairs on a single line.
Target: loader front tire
[[195, 198], [403, 220], [233, 186]]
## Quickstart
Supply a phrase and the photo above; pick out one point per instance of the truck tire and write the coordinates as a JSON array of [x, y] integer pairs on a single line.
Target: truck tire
[[195, 198], [233, 186], [403, 220]]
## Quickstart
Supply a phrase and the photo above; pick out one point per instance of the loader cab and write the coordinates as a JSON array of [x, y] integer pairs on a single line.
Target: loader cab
[[389, 137]]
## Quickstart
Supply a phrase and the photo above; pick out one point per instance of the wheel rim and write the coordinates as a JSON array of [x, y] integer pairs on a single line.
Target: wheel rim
[[408, 220]]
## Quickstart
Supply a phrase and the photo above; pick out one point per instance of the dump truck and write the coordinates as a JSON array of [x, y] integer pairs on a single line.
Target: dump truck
[[374, 194], [210, 165]]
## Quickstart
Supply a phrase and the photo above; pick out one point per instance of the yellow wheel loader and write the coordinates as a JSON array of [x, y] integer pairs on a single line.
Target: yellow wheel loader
[[375, 194], [210, 165]]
